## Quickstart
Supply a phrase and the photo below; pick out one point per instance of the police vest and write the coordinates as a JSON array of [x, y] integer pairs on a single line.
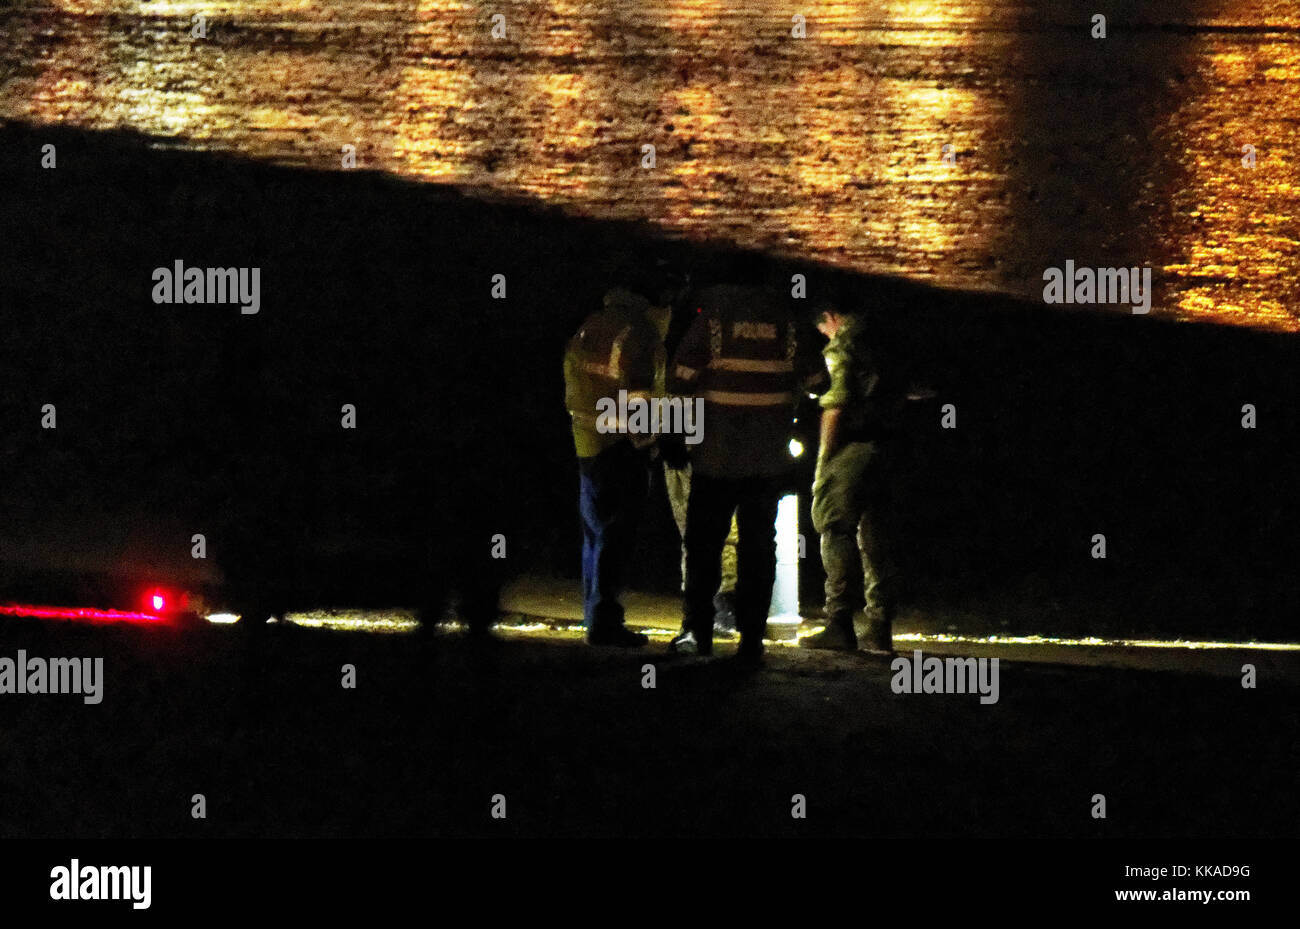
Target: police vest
[[739, 356]]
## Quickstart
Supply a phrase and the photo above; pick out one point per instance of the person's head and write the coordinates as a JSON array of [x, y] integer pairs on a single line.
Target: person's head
[[624, 300], [829, 319], [629, 270]]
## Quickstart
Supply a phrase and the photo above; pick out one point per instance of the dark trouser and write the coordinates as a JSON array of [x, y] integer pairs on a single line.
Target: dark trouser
[[613, 487], [850, 510], [678, 483], [708, 519]]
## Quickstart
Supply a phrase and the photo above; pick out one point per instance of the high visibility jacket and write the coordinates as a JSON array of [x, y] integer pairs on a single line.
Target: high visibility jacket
[[618, 348], [739, 355]]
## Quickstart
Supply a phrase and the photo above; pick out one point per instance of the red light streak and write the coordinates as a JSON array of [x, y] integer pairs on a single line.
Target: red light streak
[[82, 613]]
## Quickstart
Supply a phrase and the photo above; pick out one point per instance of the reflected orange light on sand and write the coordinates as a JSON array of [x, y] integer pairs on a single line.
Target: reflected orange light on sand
[[432, 96], [1236, 222]]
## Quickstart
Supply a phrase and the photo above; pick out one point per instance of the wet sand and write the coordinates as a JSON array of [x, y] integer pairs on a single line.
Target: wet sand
[[578, 747], [551, 608]]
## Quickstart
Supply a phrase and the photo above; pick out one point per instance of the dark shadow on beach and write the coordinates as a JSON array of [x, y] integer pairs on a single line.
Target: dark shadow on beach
[[377, 292], [577, 747]]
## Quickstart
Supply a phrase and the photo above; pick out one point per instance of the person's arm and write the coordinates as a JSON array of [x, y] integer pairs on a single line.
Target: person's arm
[[830, 435], [810, 372], [660, 368], [684, 379], [832, 403], [570, 377], [639, 362], [815, 381], [691, 359], [643, 366]]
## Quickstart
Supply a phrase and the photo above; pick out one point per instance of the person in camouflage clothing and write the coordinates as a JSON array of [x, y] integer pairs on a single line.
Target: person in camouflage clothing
[[860, 433]]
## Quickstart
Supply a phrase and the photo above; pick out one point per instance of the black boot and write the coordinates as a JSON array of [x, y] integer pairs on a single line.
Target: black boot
[[616, 636], [753, 630], [880, 633], [838, 636], [750, 651]]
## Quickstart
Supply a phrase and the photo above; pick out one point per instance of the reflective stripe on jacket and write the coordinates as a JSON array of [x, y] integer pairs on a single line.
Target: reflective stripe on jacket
[[739, 356], [616, 349]]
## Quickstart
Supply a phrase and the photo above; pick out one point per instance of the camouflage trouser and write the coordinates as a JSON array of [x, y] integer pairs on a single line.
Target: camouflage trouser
[[678, 482], [850, 510]]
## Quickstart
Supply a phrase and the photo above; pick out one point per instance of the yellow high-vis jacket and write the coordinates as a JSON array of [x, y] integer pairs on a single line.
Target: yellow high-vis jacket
[[617, 348]]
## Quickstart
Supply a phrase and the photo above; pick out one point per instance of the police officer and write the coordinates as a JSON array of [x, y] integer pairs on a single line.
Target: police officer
[[860, 433], [739, 355], [677, 481], [619, 348]]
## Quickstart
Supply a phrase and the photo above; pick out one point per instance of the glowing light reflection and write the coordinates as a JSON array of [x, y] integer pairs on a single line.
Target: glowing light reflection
[[356, 621], [82, 613]]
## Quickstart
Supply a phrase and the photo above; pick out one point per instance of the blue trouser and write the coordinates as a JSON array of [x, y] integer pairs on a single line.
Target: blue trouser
[[613, 487]]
